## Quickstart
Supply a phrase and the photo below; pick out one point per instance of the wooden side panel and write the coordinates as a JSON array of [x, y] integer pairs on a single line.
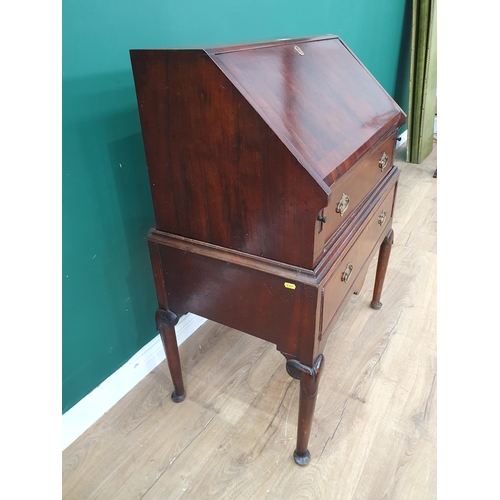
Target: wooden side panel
[[218, 173], [255, 302]]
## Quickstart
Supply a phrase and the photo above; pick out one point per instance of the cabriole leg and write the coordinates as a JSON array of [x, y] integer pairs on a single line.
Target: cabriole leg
[[383, 261], [165, 323], [309, 381]]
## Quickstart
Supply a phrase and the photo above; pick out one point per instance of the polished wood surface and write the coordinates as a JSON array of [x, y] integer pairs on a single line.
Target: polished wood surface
[[203, 279], [246, 150], [316, 96], [227, 168], [356, 184], [217, 171], [383, 261], [374, 431]]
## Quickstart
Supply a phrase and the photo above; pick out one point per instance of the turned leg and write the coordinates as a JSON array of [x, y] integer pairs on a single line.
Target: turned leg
[[165, 323], [309, 381], [383, 261]]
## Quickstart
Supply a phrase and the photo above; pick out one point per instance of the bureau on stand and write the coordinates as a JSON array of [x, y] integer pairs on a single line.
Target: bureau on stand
[[273, 188]]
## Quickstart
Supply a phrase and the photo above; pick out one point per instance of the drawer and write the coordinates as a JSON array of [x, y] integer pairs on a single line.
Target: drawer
[[339, 284], [356, 183]]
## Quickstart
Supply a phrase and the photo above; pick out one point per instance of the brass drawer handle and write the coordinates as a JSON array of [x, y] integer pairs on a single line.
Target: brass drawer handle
[[382, 217], [347, 273], [383, 161], [343, 204]]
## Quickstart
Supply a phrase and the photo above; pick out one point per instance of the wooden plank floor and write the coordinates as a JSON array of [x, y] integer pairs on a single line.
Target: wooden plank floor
[[374, 433]]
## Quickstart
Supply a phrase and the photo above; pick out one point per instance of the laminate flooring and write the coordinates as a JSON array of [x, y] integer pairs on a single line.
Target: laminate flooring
[[374, 430]]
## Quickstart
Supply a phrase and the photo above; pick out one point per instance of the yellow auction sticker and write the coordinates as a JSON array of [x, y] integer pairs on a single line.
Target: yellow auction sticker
[[290, 285]]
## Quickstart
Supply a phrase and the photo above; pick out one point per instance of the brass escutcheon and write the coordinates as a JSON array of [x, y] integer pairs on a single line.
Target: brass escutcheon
[[383, 161], [347, 273], [381, 217], [343, 204]]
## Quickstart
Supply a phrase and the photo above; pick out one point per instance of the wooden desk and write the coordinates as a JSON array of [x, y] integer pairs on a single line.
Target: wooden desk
[[273, 188]]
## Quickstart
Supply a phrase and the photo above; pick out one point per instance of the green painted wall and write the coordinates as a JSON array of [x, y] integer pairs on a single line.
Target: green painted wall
[[108, 292]]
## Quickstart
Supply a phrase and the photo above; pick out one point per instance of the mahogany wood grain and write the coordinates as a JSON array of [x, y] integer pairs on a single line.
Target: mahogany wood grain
[[248, 300], [309, 382], [324, 105], [248, 150], [374, 430], [165, 324], [334, 288], [218, 173], [357, 184], [383, 262], [225, 169], [272, 301], [346, 234]]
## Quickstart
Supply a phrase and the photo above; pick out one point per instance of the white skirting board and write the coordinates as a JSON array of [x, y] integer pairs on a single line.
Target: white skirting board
[[402, 139], [92, 407]]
